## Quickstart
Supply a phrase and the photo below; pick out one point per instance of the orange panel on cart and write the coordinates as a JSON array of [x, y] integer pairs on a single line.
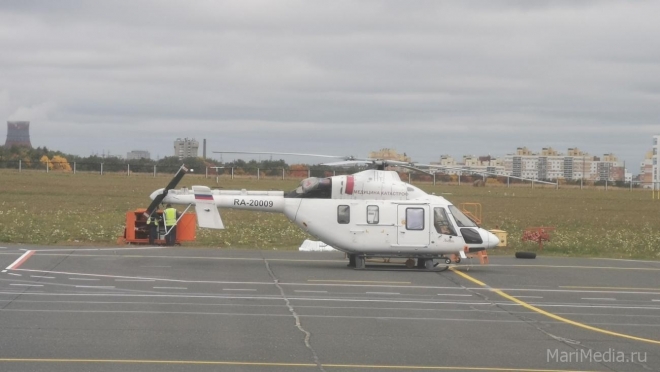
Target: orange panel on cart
[[186, 228]]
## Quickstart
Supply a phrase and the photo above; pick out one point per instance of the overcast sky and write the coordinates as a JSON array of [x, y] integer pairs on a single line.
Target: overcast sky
[[334, 77]]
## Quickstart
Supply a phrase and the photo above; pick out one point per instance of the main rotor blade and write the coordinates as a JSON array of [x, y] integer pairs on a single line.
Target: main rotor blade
[[468, 170], [282, 153], [347, 162]]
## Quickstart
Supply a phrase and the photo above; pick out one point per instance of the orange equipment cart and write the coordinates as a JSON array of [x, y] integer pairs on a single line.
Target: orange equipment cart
[[137, 231]]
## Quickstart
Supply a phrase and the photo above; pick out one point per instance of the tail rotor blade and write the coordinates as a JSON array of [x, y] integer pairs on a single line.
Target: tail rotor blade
[[177, 177], [154, 204], [158, 199]]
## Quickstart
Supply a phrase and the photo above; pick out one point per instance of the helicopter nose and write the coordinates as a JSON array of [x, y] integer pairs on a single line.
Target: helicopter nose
[[493, 240], [155, 194]]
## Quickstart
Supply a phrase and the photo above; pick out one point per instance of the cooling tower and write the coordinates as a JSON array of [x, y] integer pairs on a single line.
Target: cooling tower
[[18, 133]]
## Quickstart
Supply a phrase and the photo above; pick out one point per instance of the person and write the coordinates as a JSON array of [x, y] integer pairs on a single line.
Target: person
[[170, 216], [152, 225]]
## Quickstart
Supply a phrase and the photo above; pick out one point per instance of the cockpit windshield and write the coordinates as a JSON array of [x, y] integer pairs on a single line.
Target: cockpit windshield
[[461, 219], [313, 187]]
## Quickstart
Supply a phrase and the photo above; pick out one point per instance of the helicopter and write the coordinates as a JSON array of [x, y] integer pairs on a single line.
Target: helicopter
[[371, 213]]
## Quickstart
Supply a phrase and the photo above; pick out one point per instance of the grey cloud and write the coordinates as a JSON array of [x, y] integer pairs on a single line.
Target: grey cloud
[[426, 77]]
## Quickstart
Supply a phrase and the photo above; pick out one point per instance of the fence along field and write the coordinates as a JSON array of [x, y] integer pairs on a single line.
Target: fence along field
[[62, 208]]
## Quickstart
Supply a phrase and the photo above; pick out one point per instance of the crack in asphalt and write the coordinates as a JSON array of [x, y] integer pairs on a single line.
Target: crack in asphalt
[[293, 312]]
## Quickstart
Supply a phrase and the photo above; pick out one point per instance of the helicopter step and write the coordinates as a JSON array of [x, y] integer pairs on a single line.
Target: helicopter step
[[423, 264]]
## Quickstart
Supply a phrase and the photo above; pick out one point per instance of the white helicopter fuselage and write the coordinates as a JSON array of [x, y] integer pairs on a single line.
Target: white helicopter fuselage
[[370, 213]]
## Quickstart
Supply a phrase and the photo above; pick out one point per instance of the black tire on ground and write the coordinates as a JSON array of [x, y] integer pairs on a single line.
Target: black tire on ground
[[525, 255]]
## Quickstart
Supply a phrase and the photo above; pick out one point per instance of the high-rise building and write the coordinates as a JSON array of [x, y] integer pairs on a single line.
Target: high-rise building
[[138, 154], [18, 134], [186, 148], [656, 175]]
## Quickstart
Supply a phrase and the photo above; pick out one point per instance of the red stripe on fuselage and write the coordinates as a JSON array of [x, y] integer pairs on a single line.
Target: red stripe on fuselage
[[203, 197], [350, 183]]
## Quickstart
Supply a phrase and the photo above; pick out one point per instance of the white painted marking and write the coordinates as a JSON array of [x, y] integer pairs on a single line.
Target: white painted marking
[[154, 266], [134, 280], [599, 298], [19, 261], [655, 300], [258, 315], [237, 289], [170, 288], [449, 294], [94, 286], [323, 299], [26, 285], [3, 247], [335, 284], [528, 296], [621, 259], [4, 271], [41, 276], [83, 279], [14, 274], [383, 293], [99, 249], [302, 291]]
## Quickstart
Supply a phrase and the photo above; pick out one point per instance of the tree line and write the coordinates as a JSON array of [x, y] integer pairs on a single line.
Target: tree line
[[42, 157]]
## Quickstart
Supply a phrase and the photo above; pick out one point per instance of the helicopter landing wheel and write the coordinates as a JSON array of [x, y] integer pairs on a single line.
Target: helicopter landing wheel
[[410, 263], [458, 260], [360, 262], [351, 260], [448, 261]]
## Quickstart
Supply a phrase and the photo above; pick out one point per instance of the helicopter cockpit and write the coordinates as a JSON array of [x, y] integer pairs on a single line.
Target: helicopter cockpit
[[313, 187]]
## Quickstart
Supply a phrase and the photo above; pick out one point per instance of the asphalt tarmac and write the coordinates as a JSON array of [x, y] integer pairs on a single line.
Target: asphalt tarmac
[[172, 309]]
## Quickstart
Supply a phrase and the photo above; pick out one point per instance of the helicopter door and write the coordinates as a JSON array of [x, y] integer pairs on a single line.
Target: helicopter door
[[413, 227]]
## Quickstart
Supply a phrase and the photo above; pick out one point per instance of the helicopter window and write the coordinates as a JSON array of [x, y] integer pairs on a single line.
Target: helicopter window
[[441, 222], [372, 214], [461, 219], [312, 188], [471, 236], [414, 218], [343, 214]]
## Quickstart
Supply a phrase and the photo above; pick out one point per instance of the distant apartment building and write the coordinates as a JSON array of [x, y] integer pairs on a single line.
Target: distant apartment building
[[389, 154], [549, 164], [524, 163], [471, 164], [138, 154], [656, 175], [578, 165], [646, 169], [186, 148]]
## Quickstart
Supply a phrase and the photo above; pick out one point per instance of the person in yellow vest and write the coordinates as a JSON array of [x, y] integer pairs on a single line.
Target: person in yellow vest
[[170, 215], [152, 225]]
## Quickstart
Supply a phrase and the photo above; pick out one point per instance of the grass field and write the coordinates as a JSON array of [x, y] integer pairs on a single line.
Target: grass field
[[66, 209]]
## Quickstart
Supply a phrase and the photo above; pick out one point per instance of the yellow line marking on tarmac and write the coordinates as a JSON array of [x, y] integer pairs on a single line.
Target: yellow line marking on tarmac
[[553, 316], [626, 288], [269, 364], [355, 281]]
